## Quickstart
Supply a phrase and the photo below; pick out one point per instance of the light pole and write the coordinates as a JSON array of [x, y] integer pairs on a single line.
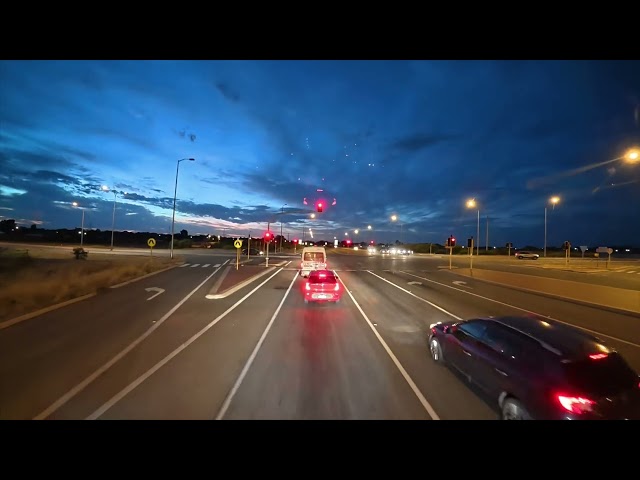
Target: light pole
[[394, 218], [471, 203], [175, 193], [282, 213], [75, 204], [113, 218], [554, 201]]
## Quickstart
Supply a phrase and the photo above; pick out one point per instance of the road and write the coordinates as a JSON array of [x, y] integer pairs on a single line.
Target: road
[[261, 353]]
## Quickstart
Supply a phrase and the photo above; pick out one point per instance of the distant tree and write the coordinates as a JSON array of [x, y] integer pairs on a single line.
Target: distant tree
[[184, 233], [34, 226], [8, 225]]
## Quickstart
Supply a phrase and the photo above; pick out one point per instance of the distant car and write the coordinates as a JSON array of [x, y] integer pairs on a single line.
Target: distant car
[[322, 286], [253, 251], [539, 369], [525, 254]]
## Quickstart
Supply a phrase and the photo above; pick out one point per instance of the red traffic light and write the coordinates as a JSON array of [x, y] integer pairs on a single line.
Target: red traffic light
[[319, 207], [295, 240], [267, 236]]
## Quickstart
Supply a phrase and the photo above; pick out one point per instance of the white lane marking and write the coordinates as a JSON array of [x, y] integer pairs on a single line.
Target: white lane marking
[[195, 265], [632, 271], [184, 265], [217, 264], [82, 385], [427, 406], [247, 366], [525, 310], [129, 388], [206, 265], [437, 307]]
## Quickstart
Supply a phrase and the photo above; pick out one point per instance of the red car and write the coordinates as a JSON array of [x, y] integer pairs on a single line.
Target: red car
[[322, 286]]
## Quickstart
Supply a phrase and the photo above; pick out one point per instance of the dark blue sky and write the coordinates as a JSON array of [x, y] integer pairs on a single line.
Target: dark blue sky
[[410, 138]]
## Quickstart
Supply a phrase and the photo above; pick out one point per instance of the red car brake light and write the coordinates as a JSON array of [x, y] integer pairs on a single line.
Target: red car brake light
[[598, 356], [337, 287], [577, 405], [323, 275], [307, 286]]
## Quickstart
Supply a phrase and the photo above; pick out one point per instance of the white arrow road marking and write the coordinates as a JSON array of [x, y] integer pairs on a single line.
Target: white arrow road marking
[[154, 289], [460, 283]]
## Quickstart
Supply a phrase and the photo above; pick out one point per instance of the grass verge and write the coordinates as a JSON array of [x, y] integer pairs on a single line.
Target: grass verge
[[41, 279]]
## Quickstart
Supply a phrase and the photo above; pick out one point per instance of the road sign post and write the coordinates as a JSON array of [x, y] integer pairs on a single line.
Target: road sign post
[[152, 243], [471, 254], [238, 244], [606, 250]]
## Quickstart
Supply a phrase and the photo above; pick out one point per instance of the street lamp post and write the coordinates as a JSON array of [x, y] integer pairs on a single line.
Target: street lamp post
[[472, 204], [554, 200], [282, 213], [75, 204], [175, 193], [113, 218]]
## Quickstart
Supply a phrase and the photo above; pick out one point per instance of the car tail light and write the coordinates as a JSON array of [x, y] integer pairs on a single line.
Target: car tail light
[[337, 287], [577, 405], [307, 286], [323, 275], [598, 356]]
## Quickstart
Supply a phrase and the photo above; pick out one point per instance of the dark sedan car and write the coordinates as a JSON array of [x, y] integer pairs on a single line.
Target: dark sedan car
[[539, 369]]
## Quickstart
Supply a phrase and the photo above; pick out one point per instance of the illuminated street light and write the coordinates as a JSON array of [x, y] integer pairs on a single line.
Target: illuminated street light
[[356, 231], [75, 204], [632, 155], [313, 215], [369, 227], [554, 201], [394, 218], [471, 203], [113, 218]]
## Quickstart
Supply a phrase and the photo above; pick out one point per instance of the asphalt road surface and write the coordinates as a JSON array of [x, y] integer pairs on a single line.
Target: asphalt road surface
[[159, 349]]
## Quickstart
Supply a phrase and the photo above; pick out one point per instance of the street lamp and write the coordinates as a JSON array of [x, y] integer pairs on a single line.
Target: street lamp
[[554, 201], [394, 218], [175, 193], [282, 210], [632, 155], [471, 203], [113, 218], [75, 204]]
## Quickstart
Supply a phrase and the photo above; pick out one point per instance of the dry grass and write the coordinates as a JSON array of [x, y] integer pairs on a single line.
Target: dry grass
[[44, 278]]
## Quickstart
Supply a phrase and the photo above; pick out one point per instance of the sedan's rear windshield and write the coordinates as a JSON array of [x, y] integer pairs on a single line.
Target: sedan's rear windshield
[[319, 279], [313, 257], [604, 376]]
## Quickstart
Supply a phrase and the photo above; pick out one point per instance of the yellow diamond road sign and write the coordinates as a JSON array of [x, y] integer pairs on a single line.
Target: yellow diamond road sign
[[237, 243], [151, 242]]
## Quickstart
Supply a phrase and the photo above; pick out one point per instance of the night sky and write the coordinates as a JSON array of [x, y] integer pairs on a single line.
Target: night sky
[[412, 138]]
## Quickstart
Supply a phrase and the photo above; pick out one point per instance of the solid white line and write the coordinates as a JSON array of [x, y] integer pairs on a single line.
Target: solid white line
[[129, 388], [427, 406], [247, 366], [416, 296], [206, 265], [82, 385], [525, 310]]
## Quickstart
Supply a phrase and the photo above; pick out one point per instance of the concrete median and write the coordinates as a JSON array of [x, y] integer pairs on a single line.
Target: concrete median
[[617, 298]]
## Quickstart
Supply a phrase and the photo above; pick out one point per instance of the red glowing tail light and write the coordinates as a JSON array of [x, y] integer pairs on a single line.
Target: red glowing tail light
[[577, 405], [598, 356], [307, 286]]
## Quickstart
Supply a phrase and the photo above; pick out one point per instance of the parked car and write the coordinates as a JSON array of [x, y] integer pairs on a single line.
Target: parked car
[[536, 368]]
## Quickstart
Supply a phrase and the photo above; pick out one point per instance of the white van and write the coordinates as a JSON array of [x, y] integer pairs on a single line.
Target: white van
[[313, 258]]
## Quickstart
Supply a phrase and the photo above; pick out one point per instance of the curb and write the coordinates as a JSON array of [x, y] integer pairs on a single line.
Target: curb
[[51, 308], [238, 286], [584, 303]]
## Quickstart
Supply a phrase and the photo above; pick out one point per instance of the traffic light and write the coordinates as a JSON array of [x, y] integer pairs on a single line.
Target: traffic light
[[295, 240], [268, 237], [453, 241], [509, 245], [470, 242], [319, 207]]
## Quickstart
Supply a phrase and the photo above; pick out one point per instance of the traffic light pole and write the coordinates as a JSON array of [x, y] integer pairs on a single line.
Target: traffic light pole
[[471, 255], [268, 241], [450, 256]]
